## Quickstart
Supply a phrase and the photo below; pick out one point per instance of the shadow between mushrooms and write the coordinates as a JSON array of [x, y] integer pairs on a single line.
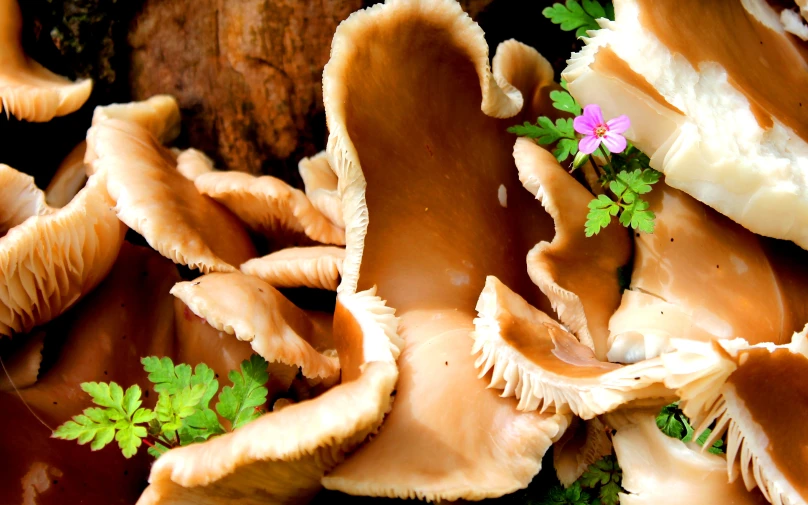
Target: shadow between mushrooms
[[421, 161]]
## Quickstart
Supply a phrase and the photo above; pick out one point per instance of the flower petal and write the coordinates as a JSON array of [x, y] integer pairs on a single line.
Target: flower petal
[[588, 144], [584, 125], [615, 142], [593, 112], [619, 124]]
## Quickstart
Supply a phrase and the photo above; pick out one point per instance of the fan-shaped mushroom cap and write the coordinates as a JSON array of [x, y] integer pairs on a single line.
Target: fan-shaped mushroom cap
[[160, 115], [320, 183], [425, 224], [578, 274], [54, 257], [313, 267], [269, 205], [660, 470], [794, 24], [280, 457], [69, 178], [155, 200], [29, 91], [700, 276], [21, 370], [755, 395], [708, 113], [534, 359], [583, 444], [255, 312], [130, 315], [192, 163]]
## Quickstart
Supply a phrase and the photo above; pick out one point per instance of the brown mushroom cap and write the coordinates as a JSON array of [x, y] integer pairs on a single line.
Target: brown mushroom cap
[[709, 114], [534, 359], [255, 312], [660, 470], [54, 257], [313, 267], [750, 393], [269, 205], [700, 276], [280, 457], [155, 200], [29, 91], [320, 183], [578, 274]]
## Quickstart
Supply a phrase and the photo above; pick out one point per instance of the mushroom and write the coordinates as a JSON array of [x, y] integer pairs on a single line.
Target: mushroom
[[794, 24], [29, 91], [255, 312], [420, 156], [192, 163], [750, 393], [320, 182], [578, 274], [50, 258], [533, 358], [660, 470], [584, 443], [21, 370], [69, 178], [700, 276], [155, 200], [313, 267], [130, 315], [269, 205], [281, 457], [709, 114]]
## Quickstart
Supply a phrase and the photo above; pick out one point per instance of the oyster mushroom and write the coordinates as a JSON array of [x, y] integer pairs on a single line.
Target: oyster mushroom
[[660, 470], [158, 202], [425, 224], [584, 443], [281, 457], [320, 182], [709, 114], [700, 276], [29, 91], [192, 163], [50, 258], [750, 393], [313, 267], [794, 24], [21, 370], [533, 358], [70, 177]]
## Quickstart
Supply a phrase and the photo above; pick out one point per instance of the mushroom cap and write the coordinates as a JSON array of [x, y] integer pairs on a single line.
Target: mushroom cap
[[709, 114], [155, 200], [70, 177], [700, 276], [534, 359], [130, 315], [578, 274], [660, 470], [192, 163], [320, 183], [29, 91], [255, 312], [22, 368], [584, 443], [54, 257], [280, 457], [269, 205], [794, 24], [750, 393], [313, 267], [19, 199]]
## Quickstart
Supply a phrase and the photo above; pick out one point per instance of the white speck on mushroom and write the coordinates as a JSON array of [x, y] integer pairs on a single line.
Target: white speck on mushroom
[[502, 194], [458, 278]]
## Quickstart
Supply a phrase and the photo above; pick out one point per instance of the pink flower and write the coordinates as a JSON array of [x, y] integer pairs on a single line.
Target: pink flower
[[596, 130]]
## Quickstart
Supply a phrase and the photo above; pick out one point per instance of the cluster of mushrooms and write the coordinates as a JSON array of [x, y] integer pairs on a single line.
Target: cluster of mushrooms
[[475, 325]]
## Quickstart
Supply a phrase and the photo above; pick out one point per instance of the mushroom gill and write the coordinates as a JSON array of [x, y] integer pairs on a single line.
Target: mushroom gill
[[709, 114], [50, 258], [29, 91], [320, 183], [700, 276], [281, 456], [313, 267], [754, 395], [420, 158], [158, 202], [660, 470], [584, 443], [533, 358]]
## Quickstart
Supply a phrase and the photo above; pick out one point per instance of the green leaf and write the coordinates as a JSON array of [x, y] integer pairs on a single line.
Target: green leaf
[[158, 450], [565, 148], [102, 395], [165, 376], [601, 210], [573, 17], [129, 437], [205, 376], [594, 9], [669, 421], [164, 410], [638, 217], [608, 494], [573, 495], [238, 404], [185, 402], [562, 100], [93, 426], [199, 427], [131, 400], [546, 132]]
